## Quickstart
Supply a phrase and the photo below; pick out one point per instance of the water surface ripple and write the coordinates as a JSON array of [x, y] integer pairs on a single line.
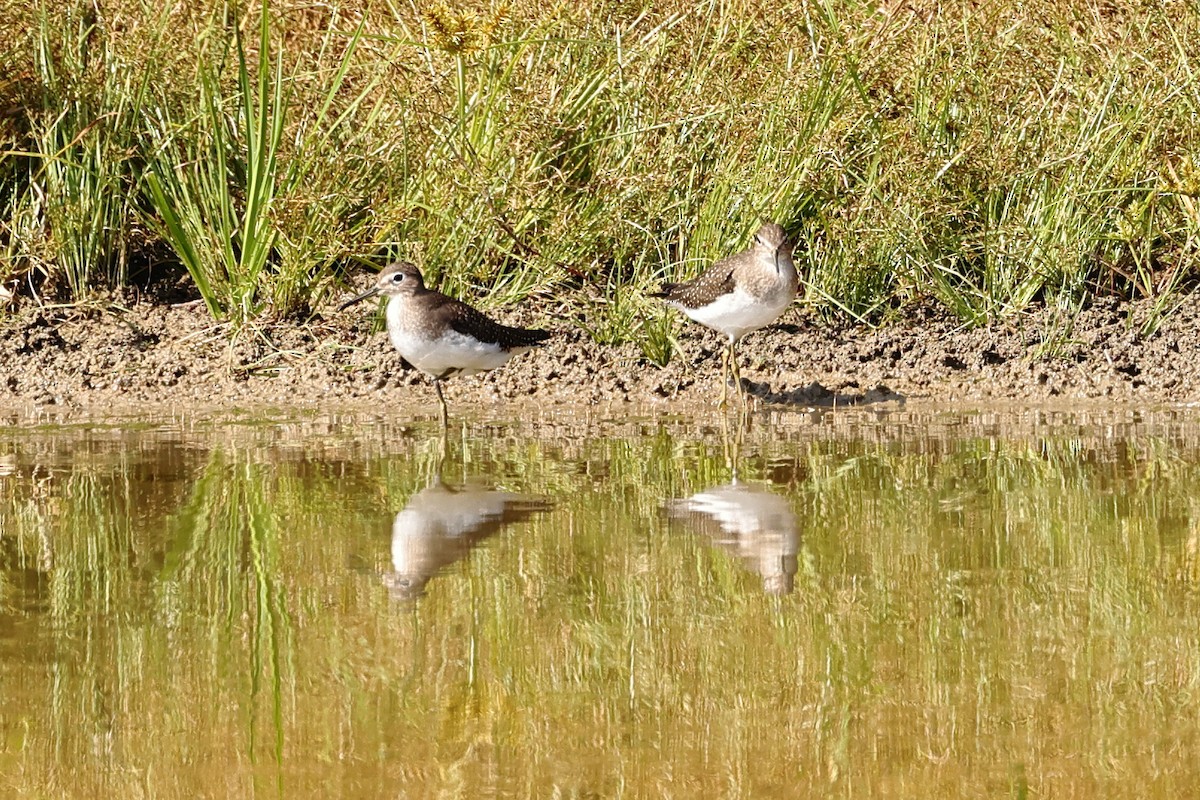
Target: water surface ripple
[[842, 604]]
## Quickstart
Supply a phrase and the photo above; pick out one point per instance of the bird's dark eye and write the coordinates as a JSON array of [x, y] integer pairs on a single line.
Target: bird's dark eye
[[399, 276]]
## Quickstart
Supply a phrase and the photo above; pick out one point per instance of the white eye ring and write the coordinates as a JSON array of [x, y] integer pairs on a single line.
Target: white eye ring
[[399, 276]]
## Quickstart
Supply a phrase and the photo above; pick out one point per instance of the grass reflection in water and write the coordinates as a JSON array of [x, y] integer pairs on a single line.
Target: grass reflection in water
[[953, 604]]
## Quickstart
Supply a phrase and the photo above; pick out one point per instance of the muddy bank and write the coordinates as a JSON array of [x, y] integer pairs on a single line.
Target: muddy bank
[[153, 357]]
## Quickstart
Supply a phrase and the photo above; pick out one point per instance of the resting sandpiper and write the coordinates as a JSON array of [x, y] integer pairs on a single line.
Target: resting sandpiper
[[740, 294], [439, 335]]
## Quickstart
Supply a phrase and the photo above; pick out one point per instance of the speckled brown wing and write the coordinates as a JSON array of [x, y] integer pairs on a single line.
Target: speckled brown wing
[[704, 288], [474, 323]]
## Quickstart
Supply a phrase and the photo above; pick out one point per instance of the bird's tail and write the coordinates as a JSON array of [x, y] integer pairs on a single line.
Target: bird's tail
[[533, 336]]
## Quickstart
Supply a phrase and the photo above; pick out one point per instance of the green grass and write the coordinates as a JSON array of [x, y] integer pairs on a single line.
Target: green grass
[[989, 158]]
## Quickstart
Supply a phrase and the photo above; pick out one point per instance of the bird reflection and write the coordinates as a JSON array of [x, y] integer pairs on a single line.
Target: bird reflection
[[441, 524], [752, 524]]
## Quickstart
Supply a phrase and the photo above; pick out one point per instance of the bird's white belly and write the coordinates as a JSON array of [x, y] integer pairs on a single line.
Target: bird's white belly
[[738, 313], [450, 351], [437, 353]]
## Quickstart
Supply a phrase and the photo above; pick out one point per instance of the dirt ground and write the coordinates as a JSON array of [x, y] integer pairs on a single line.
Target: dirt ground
[[157, 357]]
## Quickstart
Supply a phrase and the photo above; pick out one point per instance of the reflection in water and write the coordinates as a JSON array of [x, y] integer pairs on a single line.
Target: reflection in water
[[990, 605], [441, 524], [753, 524]]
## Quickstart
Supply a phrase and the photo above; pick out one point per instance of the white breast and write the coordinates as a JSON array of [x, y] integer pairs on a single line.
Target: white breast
[[451, 350], [738, 313]]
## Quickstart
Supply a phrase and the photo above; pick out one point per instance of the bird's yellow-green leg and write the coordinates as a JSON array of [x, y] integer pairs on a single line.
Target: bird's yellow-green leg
[[736, 372], [724, 379]]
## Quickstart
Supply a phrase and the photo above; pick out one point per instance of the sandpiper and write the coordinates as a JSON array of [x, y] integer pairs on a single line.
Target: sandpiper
[[439, 335], [740, 294]]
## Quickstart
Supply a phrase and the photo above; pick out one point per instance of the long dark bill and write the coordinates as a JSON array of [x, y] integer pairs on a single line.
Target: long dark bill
[[786, 242], [368, 293]]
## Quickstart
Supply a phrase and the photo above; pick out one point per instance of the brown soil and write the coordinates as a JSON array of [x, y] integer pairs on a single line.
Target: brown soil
[[157, 357]]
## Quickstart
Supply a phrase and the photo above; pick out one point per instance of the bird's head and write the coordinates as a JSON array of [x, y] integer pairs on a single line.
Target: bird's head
[[397, 278], [774, 243]]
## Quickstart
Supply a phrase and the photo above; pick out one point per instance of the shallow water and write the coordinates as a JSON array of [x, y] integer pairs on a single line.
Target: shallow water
[[882, 604]]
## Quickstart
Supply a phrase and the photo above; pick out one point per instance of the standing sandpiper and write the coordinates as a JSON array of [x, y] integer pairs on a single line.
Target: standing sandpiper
[[439, 335], [740, 294]]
